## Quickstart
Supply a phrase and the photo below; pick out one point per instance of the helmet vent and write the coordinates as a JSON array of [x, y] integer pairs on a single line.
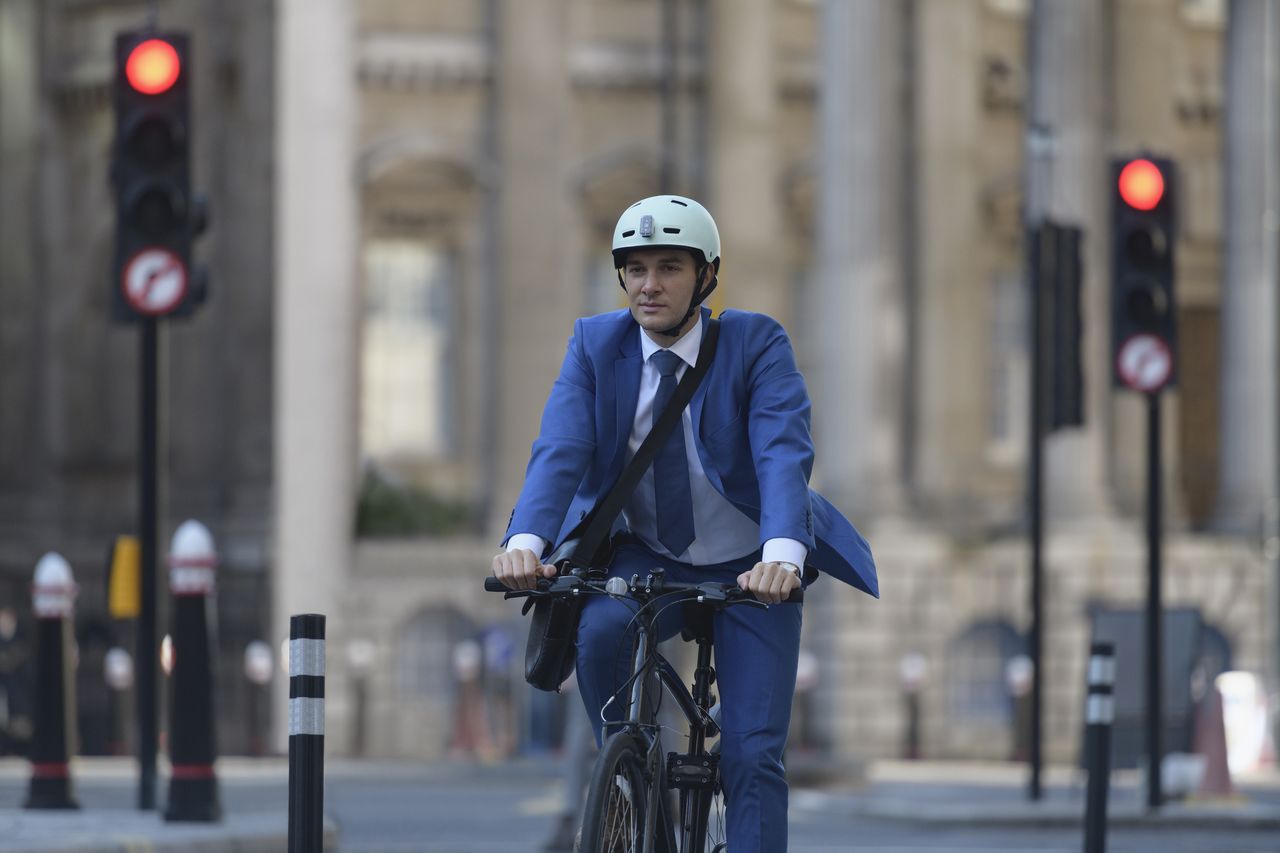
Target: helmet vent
[[670, 230], [682, 204], [630, 233]]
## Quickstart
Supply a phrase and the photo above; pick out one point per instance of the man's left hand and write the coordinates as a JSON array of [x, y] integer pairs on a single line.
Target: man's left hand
[[769, 582]]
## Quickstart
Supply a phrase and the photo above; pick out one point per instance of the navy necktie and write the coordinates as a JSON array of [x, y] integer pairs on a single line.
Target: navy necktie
[[674, 501]]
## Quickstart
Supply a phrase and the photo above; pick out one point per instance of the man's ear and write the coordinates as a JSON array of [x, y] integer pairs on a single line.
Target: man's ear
[[713, 270]]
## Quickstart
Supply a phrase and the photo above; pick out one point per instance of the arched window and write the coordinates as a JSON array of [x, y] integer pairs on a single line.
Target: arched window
[[1215, 652], [424, 654], [977, 686]]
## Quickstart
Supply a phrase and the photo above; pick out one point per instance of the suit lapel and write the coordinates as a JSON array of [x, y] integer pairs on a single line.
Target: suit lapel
[[626, 379], [695, 414], [700, 394]]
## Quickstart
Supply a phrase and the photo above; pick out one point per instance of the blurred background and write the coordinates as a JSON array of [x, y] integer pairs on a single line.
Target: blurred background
[[411, 201]]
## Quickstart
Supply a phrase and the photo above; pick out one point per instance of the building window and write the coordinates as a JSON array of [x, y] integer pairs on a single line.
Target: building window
[[1010, 372], [406, 387]]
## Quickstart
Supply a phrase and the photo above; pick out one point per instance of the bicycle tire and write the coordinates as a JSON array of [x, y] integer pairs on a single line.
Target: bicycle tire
[[613, 819]]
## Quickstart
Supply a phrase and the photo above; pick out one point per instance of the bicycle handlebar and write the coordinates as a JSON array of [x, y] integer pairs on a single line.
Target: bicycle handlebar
[[651, 587]]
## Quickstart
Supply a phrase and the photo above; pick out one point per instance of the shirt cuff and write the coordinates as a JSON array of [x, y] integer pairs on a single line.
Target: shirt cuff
[[530, 541], [785, 551]]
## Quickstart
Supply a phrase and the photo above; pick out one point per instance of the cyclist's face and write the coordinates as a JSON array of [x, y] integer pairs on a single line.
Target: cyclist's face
[[660, 283]]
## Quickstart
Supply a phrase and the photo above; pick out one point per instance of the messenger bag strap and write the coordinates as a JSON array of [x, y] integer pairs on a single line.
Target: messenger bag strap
[[600, 521]]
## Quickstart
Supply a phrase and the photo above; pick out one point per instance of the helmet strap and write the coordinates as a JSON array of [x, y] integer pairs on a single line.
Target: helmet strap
[[698, 298]]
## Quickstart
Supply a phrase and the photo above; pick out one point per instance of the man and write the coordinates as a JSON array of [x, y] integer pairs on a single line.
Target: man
[[726, 499]]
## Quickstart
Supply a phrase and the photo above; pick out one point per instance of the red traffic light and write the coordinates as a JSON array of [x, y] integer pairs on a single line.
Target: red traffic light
[[1141, 184], [153, 67]]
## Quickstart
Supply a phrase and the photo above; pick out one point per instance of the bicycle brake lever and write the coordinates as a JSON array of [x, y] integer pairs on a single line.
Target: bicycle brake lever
[[712, 592]]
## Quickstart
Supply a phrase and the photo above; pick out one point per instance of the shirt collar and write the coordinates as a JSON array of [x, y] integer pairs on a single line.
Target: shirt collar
[[687, 347]]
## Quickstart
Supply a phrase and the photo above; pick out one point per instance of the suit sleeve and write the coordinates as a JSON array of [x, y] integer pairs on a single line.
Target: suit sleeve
[[563, 449], [778, 429]]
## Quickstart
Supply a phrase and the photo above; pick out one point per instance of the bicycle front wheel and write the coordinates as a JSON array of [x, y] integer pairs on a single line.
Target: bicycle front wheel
[[613, 819]]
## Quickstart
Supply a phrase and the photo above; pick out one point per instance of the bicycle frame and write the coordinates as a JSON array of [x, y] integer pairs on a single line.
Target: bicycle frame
[[696, 772], [639, 717]]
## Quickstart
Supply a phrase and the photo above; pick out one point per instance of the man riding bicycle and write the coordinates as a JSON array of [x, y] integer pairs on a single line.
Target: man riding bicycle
[[726, 499]]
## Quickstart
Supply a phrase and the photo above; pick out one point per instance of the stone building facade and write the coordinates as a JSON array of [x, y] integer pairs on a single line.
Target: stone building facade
[[411, 200]]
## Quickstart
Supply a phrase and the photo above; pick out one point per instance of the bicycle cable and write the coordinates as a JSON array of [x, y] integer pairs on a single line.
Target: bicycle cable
[[683, 595], [680, 597]]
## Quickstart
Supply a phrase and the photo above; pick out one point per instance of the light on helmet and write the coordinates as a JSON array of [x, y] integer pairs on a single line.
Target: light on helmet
[[646, 226]]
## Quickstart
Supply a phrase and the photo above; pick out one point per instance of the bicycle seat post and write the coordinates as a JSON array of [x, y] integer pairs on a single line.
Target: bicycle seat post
[[703, 677]]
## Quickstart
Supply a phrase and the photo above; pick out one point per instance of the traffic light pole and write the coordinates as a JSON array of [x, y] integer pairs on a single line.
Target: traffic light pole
[[1035, 497], [1154, 648], [148, 648], [156, 221]]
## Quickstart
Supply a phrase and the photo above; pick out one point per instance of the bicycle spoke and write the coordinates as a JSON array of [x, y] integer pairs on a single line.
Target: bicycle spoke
[[621, 817], [614, 812]]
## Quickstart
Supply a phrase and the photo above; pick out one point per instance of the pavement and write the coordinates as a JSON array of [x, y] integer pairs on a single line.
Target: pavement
[[254, 795], [995, 794]]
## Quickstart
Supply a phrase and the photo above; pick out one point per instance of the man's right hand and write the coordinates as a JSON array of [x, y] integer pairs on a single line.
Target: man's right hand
[[520, 569]]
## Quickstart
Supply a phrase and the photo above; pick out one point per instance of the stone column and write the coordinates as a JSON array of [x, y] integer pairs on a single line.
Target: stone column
[[22, 449], [1247, 407], [1066, 89], [316, 315], [955, 293], [742, 157], [857, 301], [854, 317], [539, 279]]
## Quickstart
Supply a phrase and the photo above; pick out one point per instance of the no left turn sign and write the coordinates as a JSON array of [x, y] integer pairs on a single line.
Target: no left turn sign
[[154, 281], [1145, 363]]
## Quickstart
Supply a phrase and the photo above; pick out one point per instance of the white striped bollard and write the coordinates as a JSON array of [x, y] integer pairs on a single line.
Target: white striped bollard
[[1100, 711], [53, 596], [306, 733], [193, 787]]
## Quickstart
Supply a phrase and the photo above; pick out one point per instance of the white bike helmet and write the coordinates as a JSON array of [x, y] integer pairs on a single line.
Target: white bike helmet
[[670, 221]]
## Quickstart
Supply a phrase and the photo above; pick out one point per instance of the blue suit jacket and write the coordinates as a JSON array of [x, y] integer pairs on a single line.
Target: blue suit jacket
[[751, 419]]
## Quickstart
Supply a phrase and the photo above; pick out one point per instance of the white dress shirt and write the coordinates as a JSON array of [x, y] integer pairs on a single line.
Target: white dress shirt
[[721, 532]]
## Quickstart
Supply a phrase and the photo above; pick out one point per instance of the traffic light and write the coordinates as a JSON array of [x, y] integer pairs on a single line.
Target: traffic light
[[1143, 308], [156, 217]]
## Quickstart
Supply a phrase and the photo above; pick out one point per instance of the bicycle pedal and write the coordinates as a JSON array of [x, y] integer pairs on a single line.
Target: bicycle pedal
[[692, 771]]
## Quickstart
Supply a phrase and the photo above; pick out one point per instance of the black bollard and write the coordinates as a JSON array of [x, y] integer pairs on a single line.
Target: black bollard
[[306, 733], [193, 786], [1099, 713], [53, 600]]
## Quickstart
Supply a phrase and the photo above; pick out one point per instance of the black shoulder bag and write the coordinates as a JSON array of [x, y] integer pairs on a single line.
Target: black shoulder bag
[[553, 629]]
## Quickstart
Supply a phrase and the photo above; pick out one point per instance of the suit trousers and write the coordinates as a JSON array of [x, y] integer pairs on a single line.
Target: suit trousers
[[755, 660]]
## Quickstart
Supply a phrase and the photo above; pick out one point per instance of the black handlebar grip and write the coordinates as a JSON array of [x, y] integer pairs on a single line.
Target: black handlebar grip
[[492, 584]]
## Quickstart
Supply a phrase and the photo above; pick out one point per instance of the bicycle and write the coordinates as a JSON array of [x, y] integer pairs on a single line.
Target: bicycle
[[628, 807]]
